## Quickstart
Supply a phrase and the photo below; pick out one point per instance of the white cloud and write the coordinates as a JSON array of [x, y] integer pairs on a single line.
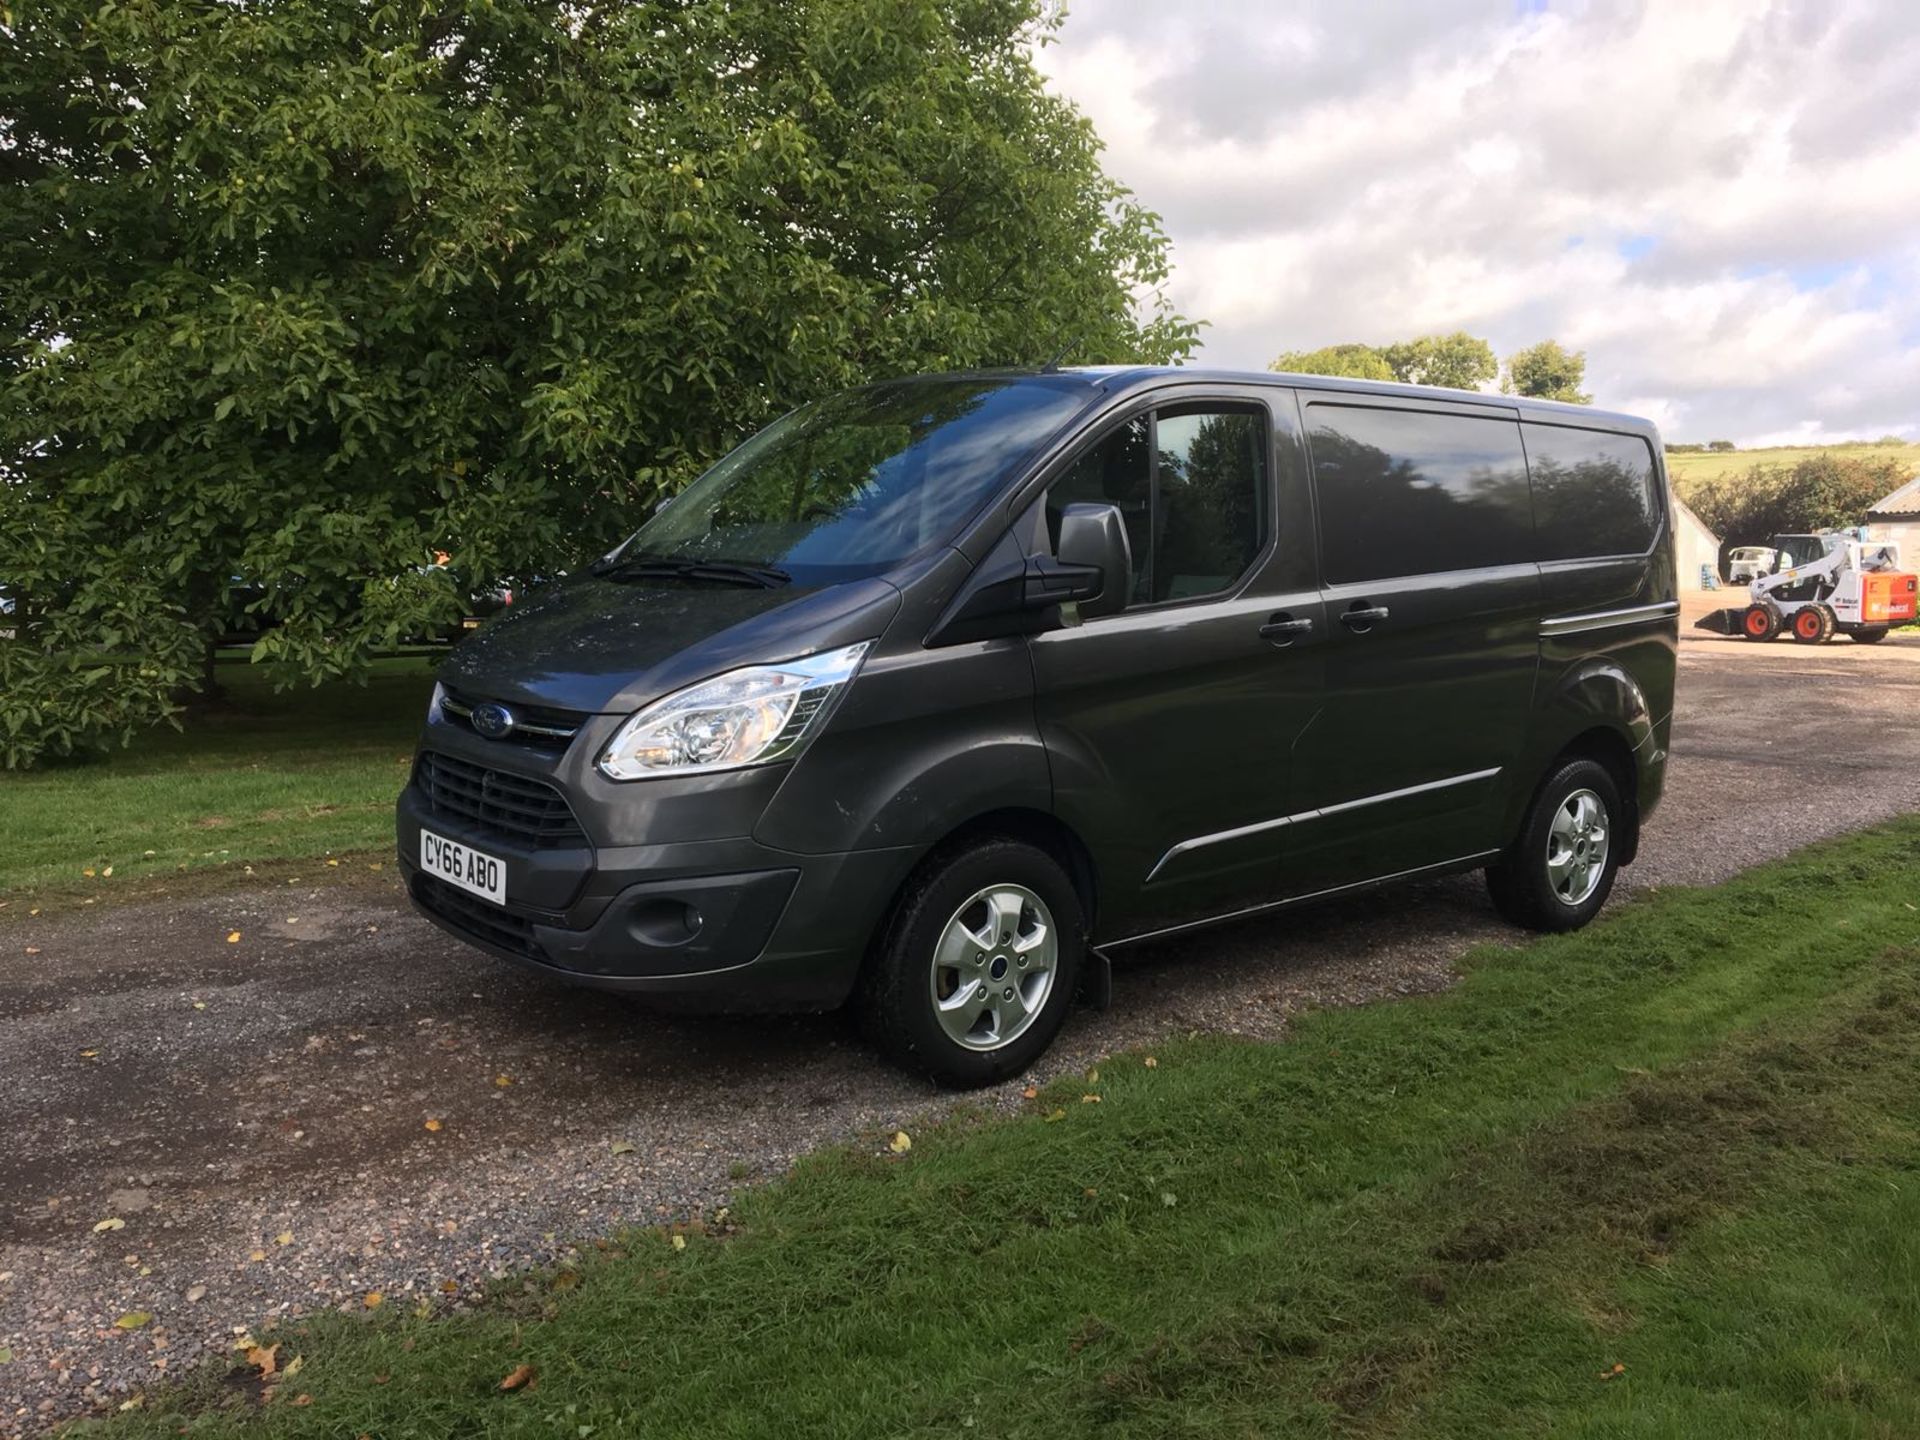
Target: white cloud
[[1718, 201]]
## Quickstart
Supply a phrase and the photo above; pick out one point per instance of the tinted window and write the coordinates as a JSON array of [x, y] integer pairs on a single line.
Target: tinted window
[[1403, 492], [1114, 472], [1592, 493], [1191, 482], [852, 484]]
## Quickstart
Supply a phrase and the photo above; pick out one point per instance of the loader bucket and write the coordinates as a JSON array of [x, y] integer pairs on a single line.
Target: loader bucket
[[1722, 622]]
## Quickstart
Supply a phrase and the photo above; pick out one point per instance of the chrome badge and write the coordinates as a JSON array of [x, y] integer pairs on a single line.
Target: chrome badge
[[493, 720]]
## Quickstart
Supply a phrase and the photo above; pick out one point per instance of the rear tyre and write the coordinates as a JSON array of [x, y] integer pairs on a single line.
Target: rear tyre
[[1559, 871], [975, 971], [1761, 622], [1868, 637], [1813, 624]]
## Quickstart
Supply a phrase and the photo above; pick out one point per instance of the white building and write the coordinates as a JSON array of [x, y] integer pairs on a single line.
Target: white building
[[1897, 517], [1696, 549]]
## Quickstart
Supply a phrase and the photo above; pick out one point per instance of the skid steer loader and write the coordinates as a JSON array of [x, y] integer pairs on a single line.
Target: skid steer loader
[[1822, 585]]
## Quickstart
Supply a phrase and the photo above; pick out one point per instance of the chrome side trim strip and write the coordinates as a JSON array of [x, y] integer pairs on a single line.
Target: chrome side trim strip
[[1199, 842], [1607, 619], [1463, 862]]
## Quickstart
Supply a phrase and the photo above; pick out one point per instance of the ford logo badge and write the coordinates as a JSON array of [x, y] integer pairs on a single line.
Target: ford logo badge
[[492, 720]]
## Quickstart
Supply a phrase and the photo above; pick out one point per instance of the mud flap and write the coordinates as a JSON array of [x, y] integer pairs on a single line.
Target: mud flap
[[1096, 981]]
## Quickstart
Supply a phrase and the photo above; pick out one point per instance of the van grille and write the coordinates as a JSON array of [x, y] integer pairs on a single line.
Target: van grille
[[534, 725], [477, 917], [515, 807]]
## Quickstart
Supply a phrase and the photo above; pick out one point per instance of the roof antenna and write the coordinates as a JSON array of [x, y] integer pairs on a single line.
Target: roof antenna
[[1053, 365]]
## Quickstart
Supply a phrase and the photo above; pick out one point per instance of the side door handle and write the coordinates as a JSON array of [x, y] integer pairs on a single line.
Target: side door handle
[[1361, 617], [1283, 629]]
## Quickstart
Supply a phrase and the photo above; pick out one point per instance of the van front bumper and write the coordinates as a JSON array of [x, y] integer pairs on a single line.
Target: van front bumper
[[719, 924]]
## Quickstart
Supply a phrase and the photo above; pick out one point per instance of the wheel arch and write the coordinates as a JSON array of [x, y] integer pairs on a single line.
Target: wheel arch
[[1039, 828]]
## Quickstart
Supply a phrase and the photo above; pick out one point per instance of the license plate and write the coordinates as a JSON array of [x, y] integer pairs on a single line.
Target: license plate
[[462, 865]]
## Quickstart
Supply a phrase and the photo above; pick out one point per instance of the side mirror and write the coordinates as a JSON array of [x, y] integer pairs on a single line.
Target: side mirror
[[1094, 546]]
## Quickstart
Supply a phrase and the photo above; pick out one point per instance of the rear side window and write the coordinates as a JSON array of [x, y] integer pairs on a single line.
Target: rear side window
[[1593, 493], [1191, 482], [1408, 492]]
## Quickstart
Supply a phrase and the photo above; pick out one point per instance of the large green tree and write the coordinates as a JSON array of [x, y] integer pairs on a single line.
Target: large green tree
[[1819, 492], [1548, 371], [294, 293], [1459, 361], [1353, 361]]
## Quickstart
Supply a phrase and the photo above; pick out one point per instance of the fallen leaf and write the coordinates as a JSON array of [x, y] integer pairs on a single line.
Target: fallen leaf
[[293, 1367], [1614, 1373], [1032, 1092], [116, 1223], [87, 873], [333, 864], [450, 1287], [257, 1255], [133, 1319], [517, 1377], [503, 1081], [285, 1237], [1089, 1099], [901, 1142], [199, 1004], [373, 1299], [196, 1294], [433, 1125], [6, 1355], [565, 1280], [1151, 1063], [679, 1242], [621, 1147], [1169, 1199], [107, 874], [88, 1054], [1055, 1115], [1093, 1077], [293, 919], [303, 1399], [264, 1358], [33, 949], [233, 937]]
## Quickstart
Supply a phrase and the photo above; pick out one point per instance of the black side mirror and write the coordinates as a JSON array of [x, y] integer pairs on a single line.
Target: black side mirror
[[1094, 549]]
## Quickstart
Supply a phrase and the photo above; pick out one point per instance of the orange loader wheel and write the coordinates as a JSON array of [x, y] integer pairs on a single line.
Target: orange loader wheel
[[1759, 623], [1812, 624]]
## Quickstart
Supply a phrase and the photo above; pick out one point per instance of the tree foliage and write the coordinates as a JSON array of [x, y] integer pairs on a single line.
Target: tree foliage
[[297, 292], [1820, 492], [1354, 362], [1547, 371], [1459, 361]]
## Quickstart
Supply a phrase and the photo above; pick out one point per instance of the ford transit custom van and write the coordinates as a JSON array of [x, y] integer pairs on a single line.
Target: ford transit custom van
[[934, 695]]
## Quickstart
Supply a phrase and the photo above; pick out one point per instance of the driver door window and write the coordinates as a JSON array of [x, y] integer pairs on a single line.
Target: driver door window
[[1191, 483]]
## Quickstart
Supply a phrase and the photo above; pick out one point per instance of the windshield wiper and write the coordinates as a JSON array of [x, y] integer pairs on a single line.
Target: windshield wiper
[[725, 572]]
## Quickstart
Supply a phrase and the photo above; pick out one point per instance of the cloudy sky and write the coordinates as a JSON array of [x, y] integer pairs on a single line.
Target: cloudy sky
[[1718, 202]]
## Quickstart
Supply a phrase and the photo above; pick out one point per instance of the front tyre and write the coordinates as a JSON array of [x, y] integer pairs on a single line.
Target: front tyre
[[975, 971], [1560, 870]]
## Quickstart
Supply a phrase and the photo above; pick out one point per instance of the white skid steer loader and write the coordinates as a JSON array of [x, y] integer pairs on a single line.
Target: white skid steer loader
[[1821, 585]]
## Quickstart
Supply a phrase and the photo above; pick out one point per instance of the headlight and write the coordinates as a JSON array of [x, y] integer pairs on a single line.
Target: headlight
[[745, 717]]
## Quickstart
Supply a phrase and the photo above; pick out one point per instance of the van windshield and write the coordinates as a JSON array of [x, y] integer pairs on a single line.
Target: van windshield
[[851, 485]]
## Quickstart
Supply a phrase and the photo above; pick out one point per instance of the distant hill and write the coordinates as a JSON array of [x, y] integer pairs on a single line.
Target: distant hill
[[1692, 467]]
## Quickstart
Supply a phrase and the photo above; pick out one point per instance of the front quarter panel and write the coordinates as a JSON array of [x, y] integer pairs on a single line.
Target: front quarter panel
[[925, 740]]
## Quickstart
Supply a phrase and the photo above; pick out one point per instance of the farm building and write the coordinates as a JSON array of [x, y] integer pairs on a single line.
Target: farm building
[[1696, 549], [1897, 517]]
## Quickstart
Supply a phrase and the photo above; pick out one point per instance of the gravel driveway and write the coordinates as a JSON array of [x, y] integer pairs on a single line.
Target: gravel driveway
[[344, 1101]]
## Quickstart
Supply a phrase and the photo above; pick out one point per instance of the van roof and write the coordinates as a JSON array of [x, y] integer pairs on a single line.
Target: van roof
[[1124, 377]]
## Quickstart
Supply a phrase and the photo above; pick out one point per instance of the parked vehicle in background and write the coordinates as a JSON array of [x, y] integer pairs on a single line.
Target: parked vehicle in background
[[1744, 562], [935, 694]]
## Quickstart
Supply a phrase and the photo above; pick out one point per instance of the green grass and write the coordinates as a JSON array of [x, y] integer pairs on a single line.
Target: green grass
[[1685, 1142], [1693, 467], [301, 773]]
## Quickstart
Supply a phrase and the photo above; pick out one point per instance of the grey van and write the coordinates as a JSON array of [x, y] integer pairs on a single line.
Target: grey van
[[936, 694]]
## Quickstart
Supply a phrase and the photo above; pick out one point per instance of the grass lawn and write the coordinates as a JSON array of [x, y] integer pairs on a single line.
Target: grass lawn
[[1693, 467], [1661, 1178], [291, 775]]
